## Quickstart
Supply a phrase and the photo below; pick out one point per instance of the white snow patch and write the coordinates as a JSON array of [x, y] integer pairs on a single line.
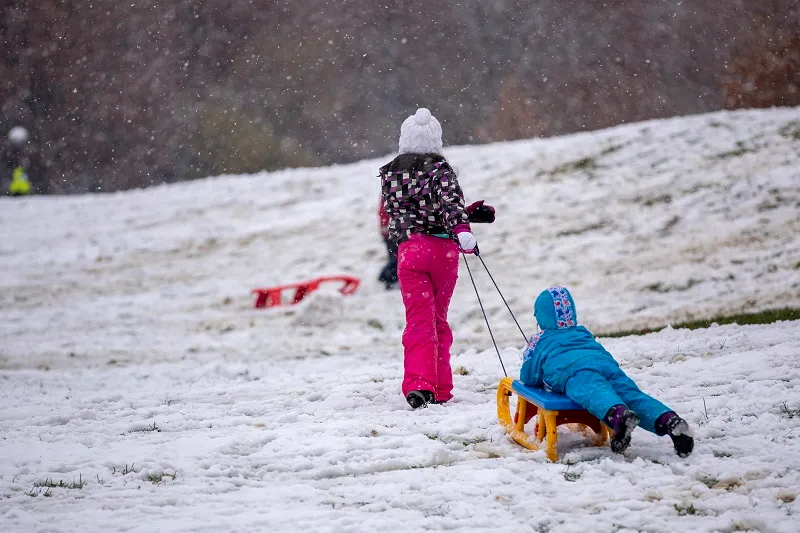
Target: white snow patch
[[133, 363]]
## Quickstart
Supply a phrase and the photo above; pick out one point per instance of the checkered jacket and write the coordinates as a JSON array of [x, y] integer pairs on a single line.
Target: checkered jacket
[[421, 195]]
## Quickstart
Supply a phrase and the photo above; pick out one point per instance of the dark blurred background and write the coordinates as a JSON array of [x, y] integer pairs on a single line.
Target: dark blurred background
[[128, 94]]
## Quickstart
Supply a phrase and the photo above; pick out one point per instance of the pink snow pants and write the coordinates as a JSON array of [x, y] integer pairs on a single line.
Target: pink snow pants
[[427, 269]]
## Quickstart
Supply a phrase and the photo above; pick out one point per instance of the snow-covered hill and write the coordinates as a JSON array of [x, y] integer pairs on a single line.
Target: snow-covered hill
[[629, 218], [129, 338]]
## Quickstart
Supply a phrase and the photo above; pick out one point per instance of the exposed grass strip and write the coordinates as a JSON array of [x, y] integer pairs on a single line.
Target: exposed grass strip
[[49, 483], [158, 477], [761, 317]]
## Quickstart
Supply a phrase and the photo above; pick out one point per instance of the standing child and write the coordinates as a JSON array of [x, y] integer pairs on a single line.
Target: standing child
[[565, 358], [427, 218]]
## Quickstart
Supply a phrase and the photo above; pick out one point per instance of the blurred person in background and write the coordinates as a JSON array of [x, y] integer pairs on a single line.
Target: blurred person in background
[[388, 275], [20, 185], [15, 161]]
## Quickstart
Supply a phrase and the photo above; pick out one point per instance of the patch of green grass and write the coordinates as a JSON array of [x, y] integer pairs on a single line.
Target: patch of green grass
[[767, 206], [734, 153], [790, 412], [49, 483], [586, 164], [158, 477], [151, 427], [670, 224], [375, 323], [741, 149], [542, 527], [660, 199], [571, 476], [791, 130], [726, 484], [578, 231], [660, 287], [708, 481], [125, 470], [685, 509], [461, 371], [761, 317], [448, 439], [611, 149], [168, 401], [470, 442], [697, 188]]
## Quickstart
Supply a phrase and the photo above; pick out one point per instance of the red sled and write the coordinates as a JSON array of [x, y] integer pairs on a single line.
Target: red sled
[[272, 296]]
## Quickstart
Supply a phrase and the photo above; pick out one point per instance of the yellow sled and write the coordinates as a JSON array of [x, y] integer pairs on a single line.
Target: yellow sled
[[553, 410]]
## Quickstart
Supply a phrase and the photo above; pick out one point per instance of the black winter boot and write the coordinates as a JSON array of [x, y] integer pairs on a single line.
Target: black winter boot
[[420, 398], [388, 275], [623, 421], [678, 430]]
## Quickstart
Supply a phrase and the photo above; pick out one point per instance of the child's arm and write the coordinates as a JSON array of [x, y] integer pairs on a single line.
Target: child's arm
[[529, 349], [531, 372], [391, 208], [454, 213], [383, 219]]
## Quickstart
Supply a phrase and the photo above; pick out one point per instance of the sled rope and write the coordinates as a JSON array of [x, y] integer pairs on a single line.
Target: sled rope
[[501, 296], [484, 314]]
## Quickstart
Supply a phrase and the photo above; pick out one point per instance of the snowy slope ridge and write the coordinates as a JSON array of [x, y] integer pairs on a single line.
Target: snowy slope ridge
[[133, 366]]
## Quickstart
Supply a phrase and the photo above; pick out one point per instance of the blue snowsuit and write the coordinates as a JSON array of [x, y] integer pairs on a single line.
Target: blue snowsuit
[[565, 357]]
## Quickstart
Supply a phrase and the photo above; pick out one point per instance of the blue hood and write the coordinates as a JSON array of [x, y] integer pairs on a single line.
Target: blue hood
[[555, 309], [563, 348]]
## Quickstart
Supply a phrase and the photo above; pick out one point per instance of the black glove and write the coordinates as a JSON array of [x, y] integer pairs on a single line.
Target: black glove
[[479, 213]]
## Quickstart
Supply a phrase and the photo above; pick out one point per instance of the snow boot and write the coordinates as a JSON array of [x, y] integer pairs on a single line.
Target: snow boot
[[388, 275], [420, 398], [678, 430], [623, 421]]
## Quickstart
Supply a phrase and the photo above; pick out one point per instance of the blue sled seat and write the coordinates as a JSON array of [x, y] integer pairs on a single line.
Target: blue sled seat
[[552, 401], [551, 409]]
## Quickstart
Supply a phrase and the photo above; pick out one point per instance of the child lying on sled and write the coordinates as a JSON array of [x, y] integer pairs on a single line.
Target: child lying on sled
[[565, 358]]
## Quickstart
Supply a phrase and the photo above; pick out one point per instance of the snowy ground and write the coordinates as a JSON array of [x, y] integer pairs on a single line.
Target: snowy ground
[[132, 363]]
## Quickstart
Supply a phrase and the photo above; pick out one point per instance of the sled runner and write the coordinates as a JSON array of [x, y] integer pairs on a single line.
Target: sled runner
[[553, 410], [271, 296]]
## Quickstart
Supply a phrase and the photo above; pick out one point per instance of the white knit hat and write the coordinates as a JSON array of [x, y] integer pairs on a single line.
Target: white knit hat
[[421, 133]]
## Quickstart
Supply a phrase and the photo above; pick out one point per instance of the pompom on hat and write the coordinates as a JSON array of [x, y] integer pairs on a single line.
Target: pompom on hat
[[421, 133]]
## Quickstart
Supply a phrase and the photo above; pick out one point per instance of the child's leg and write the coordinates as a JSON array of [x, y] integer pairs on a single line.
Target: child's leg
[[419, 336], [444, 273], [647, 407], [592, 391]]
